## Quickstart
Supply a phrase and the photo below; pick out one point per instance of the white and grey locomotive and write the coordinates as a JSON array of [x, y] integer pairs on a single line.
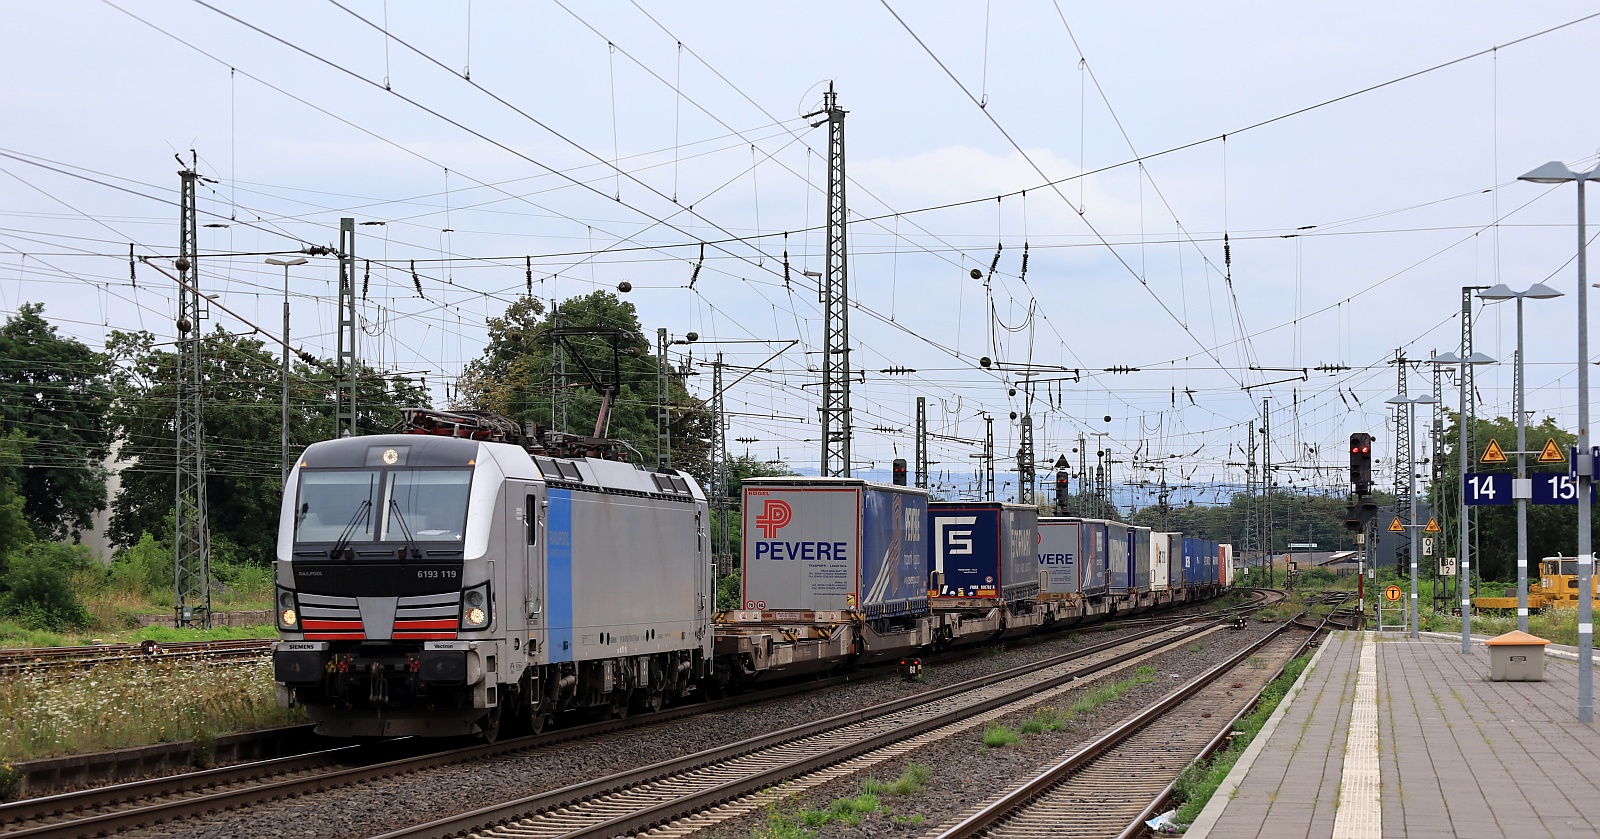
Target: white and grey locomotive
[[439, 582]]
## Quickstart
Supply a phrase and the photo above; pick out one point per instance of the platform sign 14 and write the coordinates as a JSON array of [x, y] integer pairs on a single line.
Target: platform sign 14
[[1488, 489], [1494, 489]]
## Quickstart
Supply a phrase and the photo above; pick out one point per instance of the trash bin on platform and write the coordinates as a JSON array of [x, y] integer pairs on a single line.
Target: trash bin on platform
[[1516, 657]]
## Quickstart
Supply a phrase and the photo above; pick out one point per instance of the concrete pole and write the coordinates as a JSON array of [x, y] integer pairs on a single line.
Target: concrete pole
[[1585, 469], [1522, 477]]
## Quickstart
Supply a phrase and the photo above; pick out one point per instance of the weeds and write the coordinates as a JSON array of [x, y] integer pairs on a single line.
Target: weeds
[[996, 736], [1199, 781], [135, 703], [803, 823], [10, 776], [1197, 648]]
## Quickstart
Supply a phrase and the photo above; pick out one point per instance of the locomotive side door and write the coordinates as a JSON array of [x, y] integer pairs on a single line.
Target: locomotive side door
[[532, 535]]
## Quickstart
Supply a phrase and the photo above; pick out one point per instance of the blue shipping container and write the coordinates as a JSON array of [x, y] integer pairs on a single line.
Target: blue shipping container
[[1092, 557], [1139, 557], [985, 549], [1117, 556]]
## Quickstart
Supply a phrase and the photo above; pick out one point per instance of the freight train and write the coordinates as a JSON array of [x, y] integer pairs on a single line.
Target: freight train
[[471, 572]]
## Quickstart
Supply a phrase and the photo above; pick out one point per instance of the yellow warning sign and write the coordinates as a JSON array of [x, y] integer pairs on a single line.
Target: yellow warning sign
[[1391, 594], [1493, 454], [1551, 453], [1433, 526], [1396, 527]]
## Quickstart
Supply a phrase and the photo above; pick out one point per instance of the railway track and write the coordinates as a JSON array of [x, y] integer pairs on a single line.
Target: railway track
[[1111, 786], [15, 661], [653, 796]]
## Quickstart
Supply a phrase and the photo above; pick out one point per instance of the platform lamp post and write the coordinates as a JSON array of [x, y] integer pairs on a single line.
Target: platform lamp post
[[1524, 489], [1409, 405], [283, 457], [1556, 172], [1464, 567]]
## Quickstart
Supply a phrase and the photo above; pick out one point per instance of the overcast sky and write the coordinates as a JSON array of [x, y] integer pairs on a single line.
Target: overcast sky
[[599, 142]]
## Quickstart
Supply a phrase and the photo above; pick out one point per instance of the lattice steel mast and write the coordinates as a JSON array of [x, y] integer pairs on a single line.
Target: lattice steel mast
[[1026, 491], [1404, 461], [347, 328], [719, 476], [192, 536], [663, 431], [922, 442], [835, 295]]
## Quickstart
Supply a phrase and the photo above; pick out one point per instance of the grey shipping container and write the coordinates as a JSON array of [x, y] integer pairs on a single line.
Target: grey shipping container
[[1174, 558], [983, 550], [1058, 555], [833, 544]]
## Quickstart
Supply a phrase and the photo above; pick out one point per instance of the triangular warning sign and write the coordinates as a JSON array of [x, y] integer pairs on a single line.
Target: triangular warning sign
[[1396, 527], [1493, 454], [1433, 526], [1551, 453]]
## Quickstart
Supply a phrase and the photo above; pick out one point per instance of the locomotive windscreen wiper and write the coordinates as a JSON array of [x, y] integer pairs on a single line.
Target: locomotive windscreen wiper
[[344, 536], [416, 550]]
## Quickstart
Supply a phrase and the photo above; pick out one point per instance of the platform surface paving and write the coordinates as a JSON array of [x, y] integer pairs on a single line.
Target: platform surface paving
[[1457, 755]]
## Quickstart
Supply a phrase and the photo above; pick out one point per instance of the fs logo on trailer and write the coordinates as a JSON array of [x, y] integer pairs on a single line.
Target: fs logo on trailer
[[775, 515], [948, 541]]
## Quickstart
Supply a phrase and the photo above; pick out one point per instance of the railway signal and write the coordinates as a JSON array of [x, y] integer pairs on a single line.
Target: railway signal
[[1361, 462]]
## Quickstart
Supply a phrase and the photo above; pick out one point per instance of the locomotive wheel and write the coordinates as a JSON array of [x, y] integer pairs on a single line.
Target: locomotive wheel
[[649, 703], [537, 722]]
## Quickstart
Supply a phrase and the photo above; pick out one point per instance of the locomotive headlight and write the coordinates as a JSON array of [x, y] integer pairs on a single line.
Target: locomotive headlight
[[288, 610], [475, 607]]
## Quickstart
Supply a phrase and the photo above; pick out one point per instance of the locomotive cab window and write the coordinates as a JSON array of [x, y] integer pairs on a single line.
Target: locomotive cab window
[[428, 505], [334, 503]]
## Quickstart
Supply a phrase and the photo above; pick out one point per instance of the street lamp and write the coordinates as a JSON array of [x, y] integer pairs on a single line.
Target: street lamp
[[1411, 481], [283, 457], [1464, 568], [1556, 172], [1523, 489]]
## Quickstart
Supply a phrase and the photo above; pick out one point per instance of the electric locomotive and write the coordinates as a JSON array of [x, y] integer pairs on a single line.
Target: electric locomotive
[[470, 572]]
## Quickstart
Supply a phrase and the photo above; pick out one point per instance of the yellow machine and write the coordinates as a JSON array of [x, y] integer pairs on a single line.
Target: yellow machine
[[1557, 586]]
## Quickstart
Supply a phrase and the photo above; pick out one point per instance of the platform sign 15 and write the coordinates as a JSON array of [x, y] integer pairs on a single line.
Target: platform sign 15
[[1552, 488], [1488, 489]]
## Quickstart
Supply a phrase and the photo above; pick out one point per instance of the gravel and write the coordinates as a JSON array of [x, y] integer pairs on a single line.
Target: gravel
[[965, 774], [396, 802]]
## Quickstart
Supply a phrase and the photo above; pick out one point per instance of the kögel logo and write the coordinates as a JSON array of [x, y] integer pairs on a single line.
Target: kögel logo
[[773, 516]]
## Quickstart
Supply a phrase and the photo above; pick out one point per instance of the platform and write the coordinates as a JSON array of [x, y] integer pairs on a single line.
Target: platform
[[1454, 754]]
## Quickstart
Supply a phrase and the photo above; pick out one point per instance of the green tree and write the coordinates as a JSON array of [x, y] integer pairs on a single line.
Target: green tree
[[517, 375], [242, 404], [55, 390], [14, 529]]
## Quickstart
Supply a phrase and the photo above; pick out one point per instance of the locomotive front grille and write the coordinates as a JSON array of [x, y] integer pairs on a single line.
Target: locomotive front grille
[[423, 617], [327, 617], [428, 617]]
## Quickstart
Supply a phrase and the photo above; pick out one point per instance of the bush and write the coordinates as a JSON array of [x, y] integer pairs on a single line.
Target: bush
[[728, 592], [145, 569], [38, 587]]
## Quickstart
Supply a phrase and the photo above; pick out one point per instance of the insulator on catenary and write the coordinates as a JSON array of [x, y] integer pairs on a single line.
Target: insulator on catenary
[[995, 263], [529, 263], [416, 280], [1024, 275], [696, 275], [786, 270], [133, 273], [1227, 252], [366, 277]]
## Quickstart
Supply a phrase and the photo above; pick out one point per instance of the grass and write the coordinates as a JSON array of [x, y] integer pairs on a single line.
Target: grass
[[1199, 781], [135, 703], [1050, 718], [997, 736], [803, 823]]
